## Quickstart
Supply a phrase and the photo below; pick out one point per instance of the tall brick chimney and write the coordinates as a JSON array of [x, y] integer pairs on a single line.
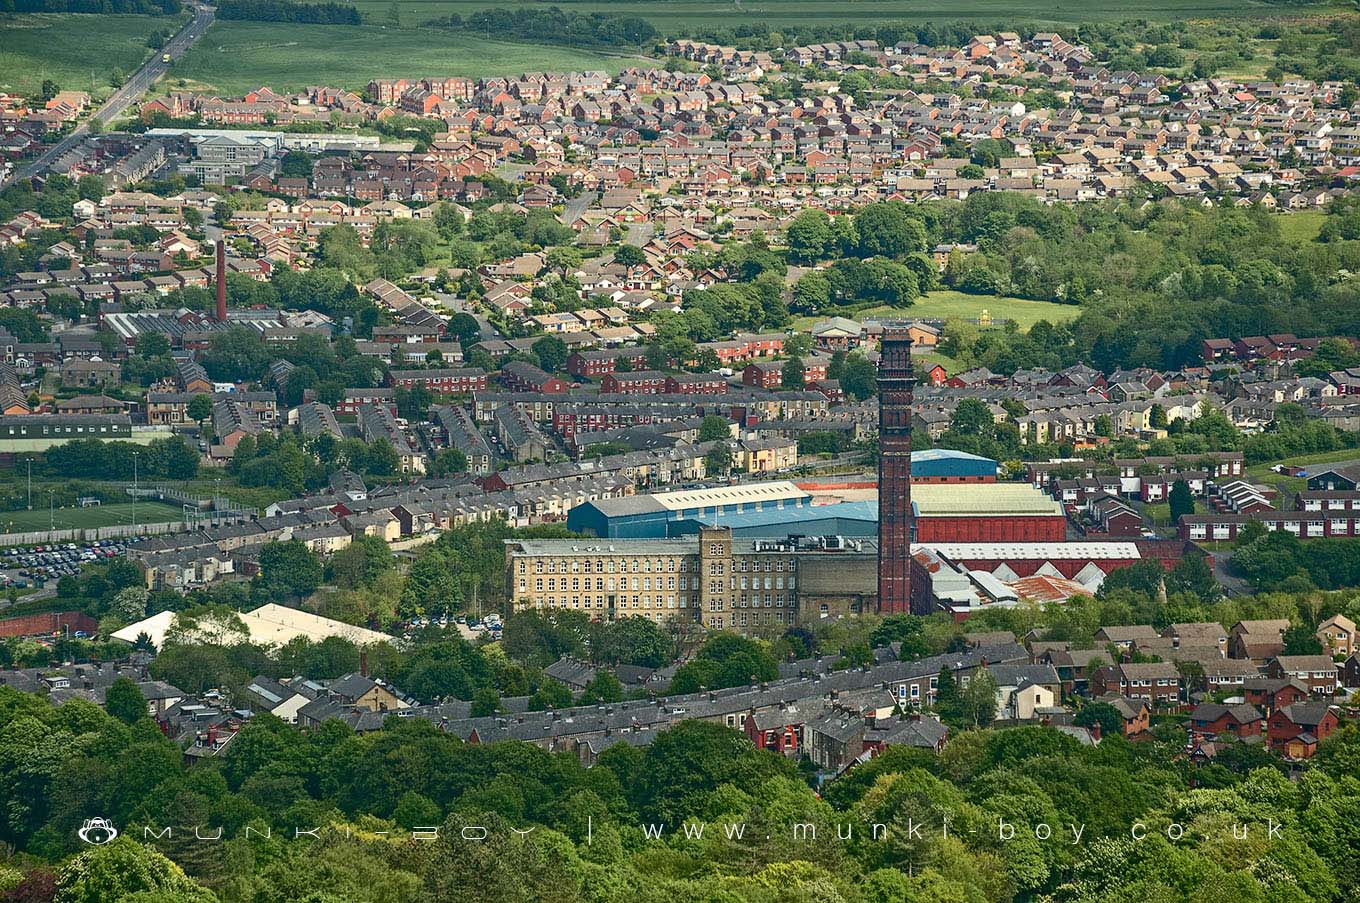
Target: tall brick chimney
[[895, 385], [221, 281]]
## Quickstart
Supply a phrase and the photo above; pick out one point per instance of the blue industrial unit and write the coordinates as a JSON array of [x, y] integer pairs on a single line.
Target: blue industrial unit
[[840, 519], [943, 465], [652, 516]]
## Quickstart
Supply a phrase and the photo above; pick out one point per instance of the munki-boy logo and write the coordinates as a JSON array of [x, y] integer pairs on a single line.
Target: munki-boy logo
[[97, 831]]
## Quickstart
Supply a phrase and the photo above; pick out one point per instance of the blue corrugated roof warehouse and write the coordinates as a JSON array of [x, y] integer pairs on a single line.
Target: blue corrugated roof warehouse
[[947, 464], [840, 519]]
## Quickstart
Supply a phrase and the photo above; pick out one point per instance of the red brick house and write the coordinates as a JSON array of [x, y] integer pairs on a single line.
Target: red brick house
[[778, 731], [1157, 683], [1271, 693], [525, 377], [1316, 672], [594, 364], [1136, 714], [635, 382], [1240, 720], [696, 384], [443, 381], [763, 374], [1296, 730]]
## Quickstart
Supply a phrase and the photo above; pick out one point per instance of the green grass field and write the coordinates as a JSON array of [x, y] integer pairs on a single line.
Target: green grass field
[[75, 51], [235, 57], [85, 518], [1261, 473], [1302, 226], [946, 303], [730, 13]]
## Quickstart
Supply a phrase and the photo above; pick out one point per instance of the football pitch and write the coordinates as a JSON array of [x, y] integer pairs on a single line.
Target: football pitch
[[41, 518]]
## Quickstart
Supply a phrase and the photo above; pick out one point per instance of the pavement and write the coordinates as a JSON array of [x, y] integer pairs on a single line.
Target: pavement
[[576, 206], [131, 91]]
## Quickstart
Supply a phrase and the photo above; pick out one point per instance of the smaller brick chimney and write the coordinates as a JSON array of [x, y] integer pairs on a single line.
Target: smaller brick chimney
[[221, 281]]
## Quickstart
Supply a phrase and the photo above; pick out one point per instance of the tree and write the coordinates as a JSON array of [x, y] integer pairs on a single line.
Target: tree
[[129, 604], [714, 428], [207, 624], [686, 764], [859, 378], [887, 230], [551, 353], [1194, 574], [288, 570], [413, 403], [718, 462], [485, 702], [1300, 639], [415, 810], [1101, 713], [725, 660], [465, 328], [296, 165], [629, 256], [152, 344], [1181, 501], [948, 704], [791, 374], [972, 417], [448, 462], [360, 563], [979, 699], [124, 869], [125, 702], [812, 292], [808, 236], [603, 687], [381, 459], [551, 694], [630, 641], [200, 407]]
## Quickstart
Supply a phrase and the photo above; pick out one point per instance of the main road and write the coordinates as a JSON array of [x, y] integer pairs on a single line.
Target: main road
[[127, 94]]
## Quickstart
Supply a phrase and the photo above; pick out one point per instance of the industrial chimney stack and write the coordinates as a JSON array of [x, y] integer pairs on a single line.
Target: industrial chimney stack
[[221, 281], [895, 385]]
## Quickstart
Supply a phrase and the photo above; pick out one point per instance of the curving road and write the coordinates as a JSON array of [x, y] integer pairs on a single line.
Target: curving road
[[127, 95]]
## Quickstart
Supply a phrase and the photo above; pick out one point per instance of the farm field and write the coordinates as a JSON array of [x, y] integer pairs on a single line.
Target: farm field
[[730, 13], [75, 51], [85, 518], [235, 57], [946, 303]]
